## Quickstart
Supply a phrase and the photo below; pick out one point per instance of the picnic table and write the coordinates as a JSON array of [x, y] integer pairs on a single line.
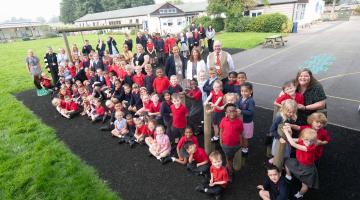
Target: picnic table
[[274, 41]]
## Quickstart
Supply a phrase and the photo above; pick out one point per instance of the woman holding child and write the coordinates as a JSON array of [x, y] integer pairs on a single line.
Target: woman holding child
[[313, 92]]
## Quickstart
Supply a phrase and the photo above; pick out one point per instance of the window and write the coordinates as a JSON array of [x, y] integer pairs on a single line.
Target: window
[[130, 21], [300, 11], [167, 11], [137, 21]]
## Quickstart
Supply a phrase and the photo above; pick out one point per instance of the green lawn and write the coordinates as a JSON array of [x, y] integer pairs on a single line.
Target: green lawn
[[245, 40], [34, 164]]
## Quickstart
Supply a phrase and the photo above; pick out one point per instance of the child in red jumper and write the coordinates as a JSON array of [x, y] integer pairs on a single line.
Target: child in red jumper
[[183, 155], [316, 121], [231, 128], [216, 97], [138, 78], [161, 82], [141, 130], [45, 81], [289, 92], [179, 114], [303, 167], [154, 111], [198, 159], [219, 177], [99, 111]]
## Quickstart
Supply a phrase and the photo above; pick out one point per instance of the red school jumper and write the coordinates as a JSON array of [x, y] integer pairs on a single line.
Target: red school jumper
[[232, 129], [179, 116]]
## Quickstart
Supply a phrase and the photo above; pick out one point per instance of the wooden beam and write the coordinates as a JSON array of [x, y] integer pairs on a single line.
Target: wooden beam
[[92, 28], [208, 145], [67, 46]]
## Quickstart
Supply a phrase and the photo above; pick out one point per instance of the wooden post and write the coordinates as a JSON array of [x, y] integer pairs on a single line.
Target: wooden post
[[280, 149], [268, 147], [67, 46], [238, 160], [209, 147]]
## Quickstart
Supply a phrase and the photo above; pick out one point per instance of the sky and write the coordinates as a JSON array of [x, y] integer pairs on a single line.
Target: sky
[[29, 9]]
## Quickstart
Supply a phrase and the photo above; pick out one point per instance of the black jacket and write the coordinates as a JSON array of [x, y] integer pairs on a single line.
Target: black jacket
[[170, 68], [111, 43]]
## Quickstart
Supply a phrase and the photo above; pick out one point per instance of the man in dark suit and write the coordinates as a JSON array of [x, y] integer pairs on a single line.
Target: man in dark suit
[[51, 63]]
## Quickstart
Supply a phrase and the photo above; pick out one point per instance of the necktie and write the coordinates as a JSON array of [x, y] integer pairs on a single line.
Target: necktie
[[218, 65]]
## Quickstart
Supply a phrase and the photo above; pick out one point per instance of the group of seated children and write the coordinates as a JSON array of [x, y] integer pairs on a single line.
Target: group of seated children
[[140, 108], [307, 140]]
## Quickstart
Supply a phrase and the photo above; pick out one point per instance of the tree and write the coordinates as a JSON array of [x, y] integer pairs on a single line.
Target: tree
[[231, 8], [67, 11]]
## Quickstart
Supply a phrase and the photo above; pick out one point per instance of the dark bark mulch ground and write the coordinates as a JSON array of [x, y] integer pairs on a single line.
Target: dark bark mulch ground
[[133, 175]]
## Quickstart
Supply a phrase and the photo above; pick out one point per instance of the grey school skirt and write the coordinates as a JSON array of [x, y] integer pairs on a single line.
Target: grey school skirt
[[306, 174]]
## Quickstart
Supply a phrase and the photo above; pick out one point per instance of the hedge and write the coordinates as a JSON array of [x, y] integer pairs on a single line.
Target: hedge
[[217, 23], [264, 23]]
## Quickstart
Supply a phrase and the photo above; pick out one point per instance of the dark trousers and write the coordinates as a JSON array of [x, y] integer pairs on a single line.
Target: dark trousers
[[37, 82], [54, 71], [175, 133], [211, 45], [214, 190], [203, 169]]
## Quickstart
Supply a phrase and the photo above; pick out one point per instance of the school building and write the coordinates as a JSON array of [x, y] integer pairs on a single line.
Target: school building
[[169, 18]]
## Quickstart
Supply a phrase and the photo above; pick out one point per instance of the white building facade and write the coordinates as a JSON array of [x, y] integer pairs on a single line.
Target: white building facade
[[168, 18], [163, 18]]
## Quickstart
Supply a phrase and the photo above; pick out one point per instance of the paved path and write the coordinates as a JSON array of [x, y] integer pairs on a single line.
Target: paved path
[[331, 49]]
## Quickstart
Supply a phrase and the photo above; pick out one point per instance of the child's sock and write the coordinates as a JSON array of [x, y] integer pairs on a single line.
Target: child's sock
[[173, 159], [288, 177], [298, 195], [205, 190], [245, 150]]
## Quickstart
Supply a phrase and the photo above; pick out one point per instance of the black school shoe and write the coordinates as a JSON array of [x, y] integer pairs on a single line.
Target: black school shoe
[[166, 160], [200, 188], [132, 143], [121, 141]]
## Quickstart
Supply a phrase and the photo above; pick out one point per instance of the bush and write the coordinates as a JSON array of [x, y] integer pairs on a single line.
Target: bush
[[239, 25], [357, 10], [217, 23], [270, 23]]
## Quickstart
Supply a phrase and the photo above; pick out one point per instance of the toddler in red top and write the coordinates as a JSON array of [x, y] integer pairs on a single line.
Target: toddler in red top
[[316, 121], [146, 105], [67, 107], [45, 81], [141, 130], [138, 78], [179, 113], [99, 111], [303, 167], [198, 162], [219, 177], [154, 110], [231, 128], [161, 83], [216, 97], [289, 92]]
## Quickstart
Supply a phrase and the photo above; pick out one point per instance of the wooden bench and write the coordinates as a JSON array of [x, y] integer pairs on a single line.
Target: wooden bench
[[274, 41]]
